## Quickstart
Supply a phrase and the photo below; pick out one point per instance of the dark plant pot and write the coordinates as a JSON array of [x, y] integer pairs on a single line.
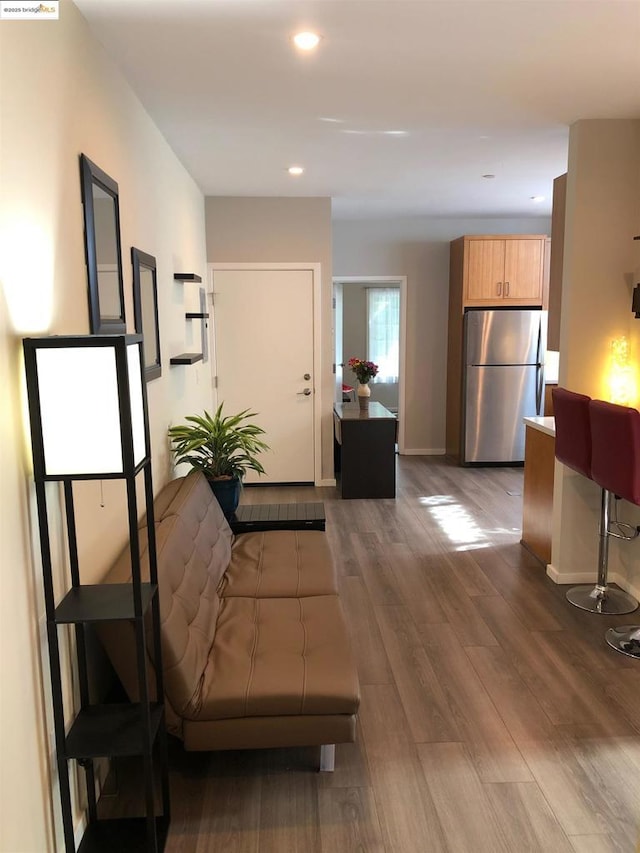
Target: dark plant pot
[[227, 493]]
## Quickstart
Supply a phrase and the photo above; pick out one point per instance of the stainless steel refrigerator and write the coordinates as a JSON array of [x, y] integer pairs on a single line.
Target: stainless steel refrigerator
[[503, 381]]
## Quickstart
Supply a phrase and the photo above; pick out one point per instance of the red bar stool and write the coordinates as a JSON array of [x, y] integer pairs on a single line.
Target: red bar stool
[[615, 466], [573, 430], [574, 448]]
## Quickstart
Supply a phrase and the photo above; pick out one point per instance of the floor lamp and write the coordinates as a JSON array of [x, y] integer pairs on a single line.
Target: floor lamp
[[88, 416]]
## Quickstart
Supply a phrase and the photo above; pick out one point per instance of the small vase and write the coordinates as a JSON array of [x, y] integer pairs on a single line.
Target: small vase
[[364, 392]]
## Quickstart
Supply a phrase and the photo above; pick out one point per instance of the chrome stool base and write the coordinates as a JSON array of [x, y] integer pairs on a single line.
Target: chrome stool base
[[625, 639], [601, 599]]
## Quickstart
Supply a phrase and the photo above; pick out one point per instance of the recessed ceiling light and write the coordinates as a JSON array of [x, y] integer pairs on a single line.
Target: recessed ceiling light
[[306, 40], [488, 176], [537, 198], [295, 170]]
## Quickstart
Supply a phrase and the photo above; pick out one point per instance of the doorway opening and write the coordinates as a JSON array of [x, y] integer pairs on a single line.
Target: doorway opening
[[369, 322]]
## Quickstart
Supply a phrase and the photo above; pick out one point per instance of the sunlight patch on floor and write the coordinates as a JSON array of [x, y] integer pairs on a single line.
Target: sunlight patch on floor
[[455, 522]]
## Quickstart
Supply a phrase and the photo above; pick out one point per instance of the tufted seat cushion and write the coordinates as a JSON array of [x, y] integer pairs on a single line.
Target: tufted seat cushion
[[280, 563], [278, 656]]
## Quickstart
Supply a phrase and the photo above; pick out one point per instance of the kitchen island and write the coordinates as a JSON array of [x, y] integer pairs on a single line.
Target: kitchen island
[[365, 450], [537, 495]]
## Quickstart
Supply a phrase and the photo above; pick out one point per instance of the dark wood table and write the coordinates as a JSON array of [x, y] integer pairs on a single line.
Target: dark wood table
[[365, 450], [293, 516]]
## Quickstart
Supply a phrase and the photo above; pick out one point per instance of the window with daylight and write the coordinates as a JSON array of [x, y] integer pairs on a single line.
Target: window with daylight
[[383, 331]]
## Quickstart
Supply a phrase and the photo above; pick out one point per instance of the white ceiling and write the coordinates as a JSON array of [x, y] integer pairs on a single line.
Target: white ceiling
[[478, 86]]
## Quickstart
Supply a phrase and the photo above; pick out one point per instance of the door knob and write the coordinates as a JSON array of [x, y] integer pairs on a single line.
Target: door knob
[[307, 376], [305, 393]]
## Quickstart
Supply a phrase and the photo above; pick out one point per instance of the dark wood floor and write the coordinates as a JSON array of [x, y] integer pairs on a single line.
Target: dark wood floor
[[493, 717]]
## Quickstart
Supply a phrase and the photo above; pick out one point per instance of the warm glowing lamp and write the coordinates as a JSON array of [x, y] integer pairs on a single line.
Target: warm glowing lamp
[[86, 405], [622, 386], [88, 414]]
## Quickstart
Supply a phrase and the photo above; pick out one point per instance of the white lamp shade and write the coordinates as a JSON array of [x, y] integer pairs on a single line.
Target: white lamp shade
[[136, 372], [80, 404]]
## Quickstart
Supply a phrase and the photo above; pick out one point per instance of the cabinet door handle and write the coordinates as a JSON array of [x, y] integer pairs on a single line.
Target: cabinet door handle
[[506, 288], [499, 288]]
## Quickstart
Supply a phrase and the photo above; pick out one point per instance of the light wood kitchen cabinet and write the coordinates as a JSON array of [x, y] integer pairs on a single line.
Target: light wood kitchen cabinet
[[503, 270]]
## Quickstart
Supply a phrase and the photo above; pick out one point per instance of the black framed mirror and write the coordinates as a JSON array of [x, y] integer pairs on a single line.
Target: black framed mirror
[[102, 249], [145, 309]]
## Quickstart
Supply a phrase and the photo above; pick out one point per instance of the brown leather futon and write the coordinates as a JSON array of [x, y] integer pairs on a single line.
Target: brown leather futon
[[255, 648]]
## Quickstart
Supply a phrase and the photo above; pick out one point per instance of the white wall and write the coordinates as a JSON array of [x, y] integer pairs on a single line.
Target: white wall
[[418, 248], [60, 96], [281, 230], [601, 264]]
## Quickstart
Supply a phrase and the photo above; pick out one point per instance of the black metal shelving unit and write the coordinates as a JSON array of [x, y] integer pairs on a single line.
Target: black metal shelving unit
[[105, 730]]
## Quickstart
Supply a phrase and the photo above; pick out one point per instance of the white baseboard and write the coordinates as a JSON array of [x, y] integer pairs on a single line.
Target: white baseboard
[[572, 578], [327, 482], [419, 451]]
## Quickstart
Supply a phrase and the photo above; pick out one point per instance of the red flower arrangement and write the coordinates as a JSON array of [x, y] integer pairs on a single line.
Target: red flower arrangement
[[364, 370]]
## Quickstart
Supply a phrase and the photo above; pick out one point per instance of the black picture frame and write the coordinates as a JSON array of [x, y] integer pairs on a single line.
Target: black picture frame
[[103, 253], [145, 310]]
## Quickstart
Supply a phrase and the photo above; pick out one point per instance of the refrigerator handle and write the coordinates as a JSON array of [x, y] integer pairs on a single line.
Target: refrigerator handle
[[540, 354], [539, 370], [539, 388]]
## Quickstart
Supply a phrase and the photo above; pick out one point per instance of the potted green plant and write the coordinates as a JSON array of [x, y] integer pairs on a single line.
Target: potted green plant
[[223, 448]]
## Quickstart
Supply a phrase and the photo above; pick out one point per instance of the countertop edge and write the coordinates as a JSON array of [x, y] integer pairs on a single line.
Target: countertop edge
[[542, 424]]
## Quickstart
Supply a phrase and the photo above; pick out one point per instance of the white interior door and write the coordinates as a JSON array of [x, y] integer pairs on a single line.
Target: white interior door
[[264, 345]]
